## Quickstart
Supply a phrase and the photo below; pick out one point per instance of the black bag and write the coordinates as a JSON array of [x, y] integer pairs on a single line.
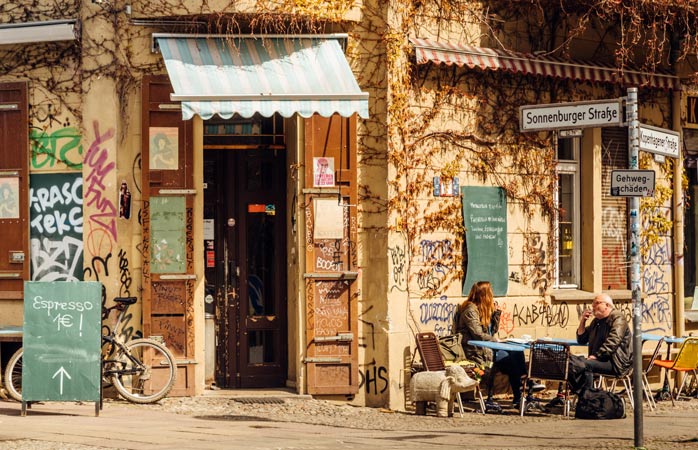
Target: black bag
[[597, 404], [452, 348]]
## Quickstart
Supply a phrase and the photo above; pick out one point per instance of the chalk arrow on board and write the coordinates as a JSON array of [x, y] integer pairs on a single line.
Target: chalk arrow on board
[[63, 373]]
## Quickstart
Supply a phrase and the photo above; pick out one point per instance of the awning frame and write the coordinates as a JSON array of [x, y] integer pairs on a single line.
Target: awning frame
[[340, 37], [491, 59], [35, 32]]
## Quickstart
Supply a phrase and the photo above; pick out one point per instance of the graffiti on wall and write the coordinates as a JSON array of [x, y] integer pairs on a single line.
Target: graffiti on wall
[[56, 223], [59, 147], [100, 224]]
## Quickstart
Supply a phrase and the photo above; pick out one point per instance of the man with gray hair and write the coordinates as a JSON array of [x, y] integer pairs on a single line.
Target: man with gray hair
[[609, 340]]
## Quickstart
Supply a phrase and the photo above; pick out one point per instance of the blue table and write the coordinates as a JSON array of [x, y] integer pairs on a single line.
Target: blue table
[[494, 345]]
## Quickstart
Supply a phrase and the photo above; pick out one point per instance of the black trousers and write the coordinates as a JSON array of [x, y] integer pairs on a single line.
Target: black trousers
[[512, 364], [582, 370]]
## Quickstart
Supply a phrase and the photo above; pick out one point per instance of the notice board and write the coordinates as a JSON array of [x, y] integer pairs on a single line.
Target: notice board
[[62, 341], [485, 220]]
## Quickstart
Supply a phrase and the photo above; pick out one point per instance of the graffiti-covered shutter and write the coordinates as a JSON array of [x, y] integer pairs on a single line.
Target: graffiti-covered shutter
[[14, 190], [168, 201], [614, 219], [331, 261]]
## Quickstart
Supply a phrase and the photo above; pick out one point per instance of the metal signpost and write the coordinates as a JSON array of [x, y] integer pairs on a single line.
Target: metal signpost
[[632, 183], [62, 342]]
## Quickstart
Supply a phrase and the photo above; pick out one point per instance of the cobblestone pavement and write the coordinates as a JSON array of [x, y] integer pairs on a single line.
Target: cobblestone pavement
[[670, 427]]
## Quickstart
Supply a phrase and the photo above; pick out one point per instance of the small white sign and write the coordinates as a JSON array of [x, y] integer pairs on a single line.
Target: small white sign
[[561, 116], [632, 183], [659, 141]]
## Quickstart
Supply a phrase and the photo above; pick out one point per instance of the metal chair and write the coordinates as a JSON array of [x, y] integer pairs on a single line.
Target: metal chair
[[627, 380], [686, 361], [609, 383], [548, 361], [432, 359]]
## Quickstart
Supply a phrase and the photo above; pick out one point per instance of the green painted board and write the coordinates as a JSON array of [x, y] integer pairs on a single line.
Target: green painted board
[[167, 235], [62, 341], [485, 220]]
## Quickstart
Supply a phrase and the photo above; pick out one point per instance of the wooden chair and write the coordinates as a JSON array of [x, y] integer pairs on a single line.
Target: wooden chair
[[549, 361], [686, 362], [432, 360]]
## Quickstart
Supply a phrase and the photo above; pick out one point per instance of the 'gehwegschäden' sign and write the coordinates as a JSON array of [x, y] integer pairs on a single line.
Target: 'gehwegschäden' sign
[[561, 116], [632, 183]]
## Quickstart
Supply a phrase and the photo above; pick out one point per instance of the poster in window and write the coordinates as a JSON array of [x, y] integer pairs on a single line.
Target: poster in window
[[9, 198], [164, 148], [329, 219], [323, 172]]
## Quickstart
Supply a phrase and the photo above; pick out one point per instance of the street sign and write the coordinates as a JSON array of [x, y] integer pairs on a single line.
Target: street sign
[[632, 183], [562, 116], [659, 141], [62, 341]]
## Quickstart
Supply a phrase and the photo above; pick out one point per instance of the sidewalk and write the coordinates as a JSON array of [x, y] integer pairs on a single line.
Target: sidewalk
[[282, 420]]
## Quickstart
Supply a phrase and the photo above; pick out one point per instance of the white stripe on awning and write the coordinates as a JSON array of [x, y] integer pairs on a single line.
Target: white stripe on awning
[[266, 75], [493, 59]]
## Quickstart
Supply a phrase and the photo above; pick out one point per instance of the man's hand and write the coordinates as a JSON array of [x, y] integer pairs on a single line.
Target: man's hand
[[583, 319], [591, 357]]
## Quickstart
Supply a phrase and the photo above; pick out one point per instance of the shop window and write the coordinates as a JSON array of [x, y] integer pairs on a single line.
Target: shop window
[[568, 194]]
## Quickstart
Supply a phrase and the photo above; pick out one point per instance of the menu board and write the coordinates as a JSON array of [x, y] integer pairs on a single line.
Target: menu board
[[62, 341], [485, 220]]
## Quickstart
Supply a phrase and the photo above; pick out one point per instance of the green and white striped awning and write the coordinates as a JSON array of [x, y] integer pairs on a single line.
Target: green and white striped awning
[[266, 75]]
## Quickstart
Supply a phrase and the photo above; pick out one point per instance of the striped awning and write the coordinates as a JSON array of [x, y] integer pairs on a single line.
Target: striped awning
[[266, 75], [494, 59]]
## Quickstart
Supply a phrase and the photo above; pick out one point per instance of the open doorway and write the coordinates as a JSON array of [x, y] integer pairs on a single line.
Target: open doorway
[[245, 249]]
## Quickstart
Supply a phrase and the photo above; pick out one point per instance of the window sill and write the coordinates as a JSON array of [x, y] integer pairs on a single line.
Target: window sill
[[577, 295]]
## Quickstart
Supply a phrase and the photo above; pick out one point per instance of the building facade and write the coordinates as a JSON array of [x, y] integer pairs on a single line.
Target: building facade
[[293, 190]]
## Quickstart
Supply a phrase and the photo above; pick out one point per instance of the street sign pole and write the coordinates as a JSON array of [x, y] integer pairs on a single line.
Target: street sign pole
[[634, 250]]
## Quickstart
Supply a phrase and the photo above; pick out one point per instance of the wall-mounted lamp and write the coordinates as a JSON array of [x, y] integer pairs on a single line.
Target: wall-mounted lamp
[[51, 30]]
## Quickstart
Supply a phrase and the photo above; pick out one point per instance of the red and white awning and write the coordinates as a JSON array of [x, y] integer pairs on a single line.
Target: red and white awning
[[493, 59]]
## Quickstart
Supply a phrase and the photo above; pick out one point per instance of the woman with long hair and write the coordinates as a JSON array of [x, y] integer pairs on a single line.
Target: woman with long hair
[[474, 318]]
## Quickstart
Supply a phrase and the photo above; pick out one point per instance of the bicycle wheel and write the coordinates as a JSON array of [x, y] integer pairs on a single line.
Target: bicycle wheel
[[13, 376], [146, 371]]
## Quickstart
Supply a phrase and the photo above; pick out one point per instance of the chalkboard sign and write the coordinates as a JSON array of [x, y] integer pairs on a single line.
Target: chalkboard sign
[[485, 220], [62, 341]]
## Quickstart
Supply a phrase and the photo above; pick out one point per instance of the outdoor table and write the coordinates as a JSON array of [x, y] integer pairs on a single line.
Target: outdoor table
[[495, 347]]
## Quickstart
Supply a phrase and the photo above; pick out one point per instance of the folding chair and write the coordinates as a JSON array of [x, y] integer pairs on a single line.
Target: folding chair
[[548, 361], [626, 378], [686, 361], [432, 359], [609, 383]]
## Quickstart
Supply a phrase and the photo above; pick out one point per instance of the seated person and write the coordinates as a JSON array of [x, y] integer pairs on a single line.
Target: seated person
[[610, 344], [473, 322]]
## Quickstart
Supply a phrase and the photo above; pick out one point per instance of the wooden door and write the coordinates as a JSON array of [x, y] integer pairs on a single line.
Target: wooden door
[[331, 260], [167, 217], [14, 190]]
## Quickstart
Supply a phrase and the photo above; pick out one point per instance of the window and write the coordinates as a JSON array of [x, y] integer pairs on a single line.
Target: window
[[568, 248]]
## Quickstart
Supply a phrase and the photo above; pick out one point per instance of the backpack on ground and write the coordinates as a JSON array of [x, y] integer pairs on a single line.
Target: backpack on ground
[[597, 404]]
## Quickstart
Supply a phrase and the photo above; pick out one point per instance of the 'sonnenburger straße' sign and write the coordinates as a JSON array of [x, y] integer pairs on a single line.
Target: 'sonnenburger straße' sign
[[561, 116]]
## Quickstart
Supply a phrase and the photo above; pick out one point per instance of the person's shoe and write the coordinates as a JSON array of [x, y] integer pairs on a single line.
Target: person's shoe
[[534, 386], [516, 404]]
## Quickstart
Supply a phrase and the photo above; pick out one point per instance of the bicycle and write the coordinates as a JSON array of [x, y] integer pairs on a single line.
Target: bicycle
[[142, 370]]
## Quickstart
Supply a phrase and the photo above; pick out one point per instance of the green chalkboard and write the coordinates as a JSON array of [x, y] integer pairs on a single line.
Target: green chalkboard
[[485, 220], [62, 341]]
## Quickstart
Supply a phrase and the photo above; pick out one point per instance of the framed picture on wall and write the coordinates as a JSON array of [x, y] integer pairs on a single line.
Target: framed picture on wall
[[9, 198], [164, 148]]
